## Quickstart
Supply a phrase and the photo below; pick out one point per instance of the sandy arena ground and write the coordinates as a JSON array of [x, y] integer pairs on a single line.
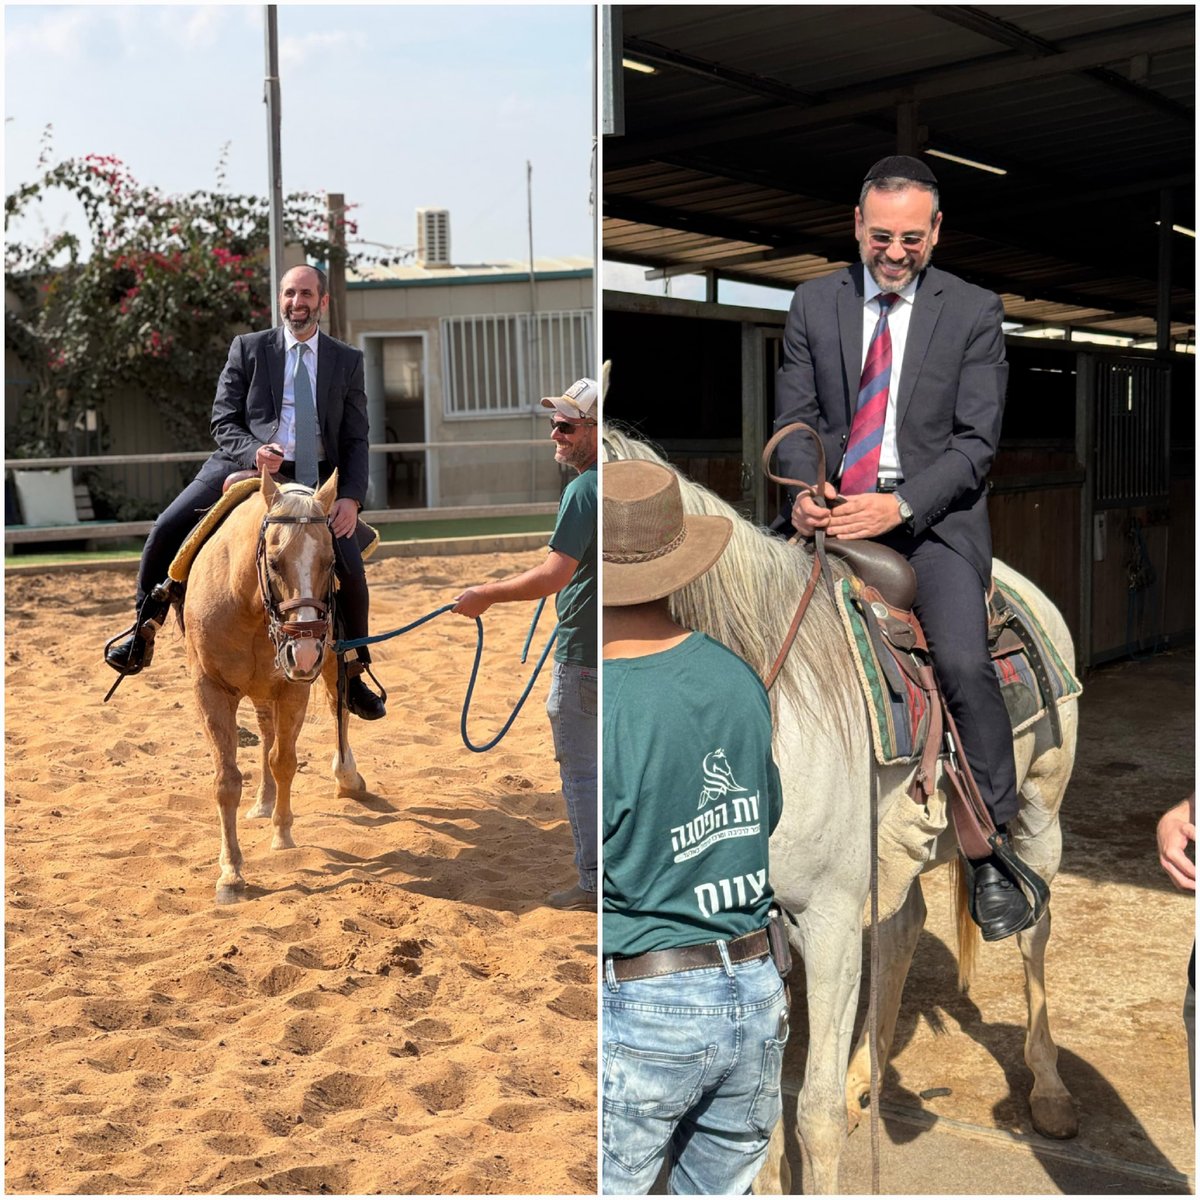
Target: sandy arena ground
[[393, 1008]]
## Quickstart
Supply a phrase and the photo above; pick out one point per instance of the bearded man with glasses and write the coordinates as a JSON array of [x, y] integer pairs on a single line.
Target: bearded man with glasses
[[569, 573], [900, 369]]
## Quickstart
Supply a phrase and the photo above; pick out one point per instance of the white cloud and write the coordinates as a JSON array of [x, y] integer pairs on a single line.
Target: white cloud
[[61, 33], [516, 113], [298, 51], [204, 25]]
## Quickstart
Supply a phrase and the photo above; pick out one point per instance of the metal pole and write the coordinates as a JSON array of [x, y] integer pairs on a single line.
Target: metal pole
[[611, 79], [535, 342], [336, 217], [275, 193], [1166, 218], [593, 182]]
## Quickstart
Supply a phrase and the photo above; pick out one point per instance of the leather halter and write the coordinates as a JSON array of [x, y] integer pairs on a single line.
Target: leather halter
[[280, 629]]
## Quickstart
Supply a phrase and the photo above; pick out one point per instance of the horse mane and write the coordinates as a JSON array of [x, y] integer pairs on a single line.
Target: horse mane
[[747, 599]]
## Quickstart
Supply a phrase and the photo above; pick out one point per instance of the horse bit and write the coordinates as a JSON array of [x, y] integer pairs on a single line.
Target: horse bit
[[279, 628]]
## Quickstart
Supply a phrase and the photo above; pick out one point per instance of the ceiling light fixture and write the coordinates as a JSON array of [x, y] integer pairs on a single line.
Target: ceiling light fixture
[[632, 64], [967, 162], [1181, 229]]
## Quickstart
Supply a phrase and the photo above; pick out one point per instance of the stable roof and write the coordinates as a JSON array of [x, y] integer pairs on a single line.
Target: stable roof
[[745, 150]]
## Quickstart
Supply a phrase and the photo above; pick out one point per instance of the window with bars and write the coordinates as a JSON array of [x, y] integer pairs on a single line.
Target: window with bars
[[505, 363], [1133, 399]]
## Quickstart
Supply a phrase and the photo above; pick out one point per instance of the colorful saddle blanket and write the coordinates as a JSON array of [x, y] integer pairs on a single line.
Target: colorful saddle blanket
[[181, 565], [900, 707]]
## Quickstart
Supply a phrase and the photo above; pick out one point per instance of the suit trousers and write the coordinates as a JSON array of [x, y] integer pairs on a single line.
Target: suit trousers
[[179, 519], [951, 605]]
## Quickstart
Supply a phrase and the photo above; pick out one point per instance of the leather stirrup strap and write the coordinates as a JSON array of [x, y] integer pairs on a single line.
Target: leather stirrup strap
[[973, 823], [926, 777]]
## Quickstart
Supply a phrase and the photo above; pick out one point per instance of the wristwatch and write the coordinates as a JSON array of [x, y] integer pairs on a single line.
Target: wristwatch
[[906, 512]]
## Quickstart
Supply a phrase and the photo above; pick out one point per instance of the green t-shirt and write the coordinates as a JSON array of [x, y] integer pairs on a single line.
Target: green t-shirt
[[691, 795], [575, 535]]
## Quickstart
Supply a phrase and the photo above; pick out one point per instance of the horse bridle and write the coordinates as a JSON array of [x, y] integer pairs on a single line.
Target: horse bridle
[[279, 628]]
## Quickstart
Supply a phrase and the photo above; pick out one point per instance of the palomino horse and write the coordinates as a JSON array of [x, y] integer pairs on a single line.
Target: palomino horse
[[820, 852], [256, 620]]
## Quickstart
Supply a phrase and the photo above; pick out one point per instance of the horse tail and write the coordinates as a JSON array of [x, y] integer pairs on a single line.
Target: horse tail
[[965, 929]]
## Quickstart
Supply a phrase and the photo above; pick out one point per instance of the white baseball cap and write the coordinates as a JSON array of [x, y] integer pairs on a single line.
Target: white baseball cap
[[578, 402]]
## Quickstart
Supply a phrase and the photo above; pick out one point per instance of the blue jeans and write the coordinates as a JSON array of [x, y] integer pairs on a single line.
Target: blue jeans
[[691, 1066], [571, 707]]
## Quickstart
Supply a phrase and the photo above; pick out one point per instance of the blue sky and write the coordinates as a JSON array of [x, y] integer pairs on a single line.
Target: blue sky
[[397, 106]]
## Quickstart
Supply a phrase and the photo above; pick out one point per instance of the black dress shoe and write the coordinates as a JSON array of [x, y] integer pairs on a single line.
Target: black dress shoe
[[129, 655], [363, 702], [1000, 908]]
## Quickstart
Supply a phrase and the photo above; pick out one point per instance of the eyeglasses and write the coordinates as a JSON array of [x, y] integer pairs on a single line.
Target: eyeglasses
[[568, 427], [910, 241]]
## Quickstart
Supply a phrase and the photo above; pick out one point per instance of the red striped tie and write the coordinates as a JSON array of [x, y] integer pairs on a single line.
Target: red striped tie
[[860, 467]]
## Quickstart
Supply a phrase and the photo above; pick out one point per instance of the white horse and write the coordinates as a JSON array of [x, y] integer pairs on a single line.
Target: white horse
[[820, 852]]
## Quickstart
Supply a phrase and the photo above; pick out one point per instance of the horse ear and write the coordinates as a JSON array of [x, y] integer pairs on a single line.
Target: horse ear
[[327, 493], [269, 489]]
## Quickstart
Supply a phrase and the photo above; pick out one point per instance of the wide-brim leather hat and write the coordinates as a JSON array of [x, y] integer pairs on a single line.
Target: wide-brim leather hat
[[651, 548]]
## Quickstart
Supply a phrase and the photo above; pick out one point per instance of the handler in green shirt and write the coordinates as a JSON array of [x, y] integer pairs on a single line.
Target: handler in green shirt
[[570, 571], [694, 1010]]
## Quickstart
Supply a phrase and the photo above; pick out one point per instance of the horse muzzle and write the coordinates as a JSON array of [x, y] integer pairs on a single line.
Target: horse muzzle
[[301, 659], [301, 648]]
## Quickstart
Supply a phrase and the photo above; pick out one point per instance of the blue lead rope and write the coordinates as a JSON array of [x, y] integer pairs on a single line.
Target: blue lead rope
[[355, 643]]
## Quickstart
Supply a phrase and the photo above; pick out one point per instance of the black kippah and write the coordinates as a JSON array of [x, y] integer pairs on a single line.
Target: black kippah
[[901, 166]]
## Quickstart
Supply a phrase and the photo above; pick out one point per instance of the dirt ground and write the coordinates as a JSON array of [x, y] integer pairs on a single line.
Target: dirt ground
[[1116, 973], [393, 1008]]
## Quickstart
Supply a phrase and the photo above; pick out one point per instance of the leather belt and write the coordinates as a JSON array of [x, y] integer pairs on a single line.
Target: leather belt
[[890, 484], [690, 958]]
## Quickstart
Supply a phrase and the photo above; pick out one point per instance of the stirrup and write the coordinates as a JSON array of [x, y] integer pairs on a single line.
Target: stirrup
[[1036, 889], [1028, 882], [153, 611], [352, 668]]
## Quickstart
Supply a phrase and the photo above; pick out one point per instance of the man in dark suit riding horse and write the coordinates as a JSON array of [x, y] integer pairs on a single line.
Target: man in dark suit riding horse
[[290, 399], [900, 369]]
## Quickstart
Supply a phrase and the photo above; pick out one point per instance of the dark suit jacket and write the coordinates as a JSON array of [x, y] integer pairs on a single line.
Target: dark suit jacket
[[948, 411], [250, 398]]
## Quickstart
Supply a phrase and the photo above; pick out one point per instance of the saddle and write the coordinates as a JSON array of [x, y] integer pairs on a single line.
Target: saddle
[[236, 488], [882, 587]]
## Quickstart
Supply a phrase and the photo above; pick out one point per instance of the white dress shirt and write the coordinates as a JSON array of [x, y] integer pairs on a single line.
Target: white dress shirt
[[901, 313], [287, 417]]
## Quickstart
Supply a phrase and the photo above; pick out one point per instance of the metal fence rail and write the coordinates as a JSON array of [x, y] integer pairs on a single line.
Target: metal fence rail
[[112, 530]]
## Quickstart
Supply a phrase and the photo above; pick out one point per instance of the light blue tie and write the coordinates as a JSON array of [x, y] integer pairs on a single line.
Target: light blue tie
[[306, 422]]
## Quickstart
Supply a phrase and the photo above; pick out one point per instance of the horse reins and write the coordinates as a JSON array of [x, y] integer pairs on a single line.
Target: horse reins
[[821, 566], [820, 563]]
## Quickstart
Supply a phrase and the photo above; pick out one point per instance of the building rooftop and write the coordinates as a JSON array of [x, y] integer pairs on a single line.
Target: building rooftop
[[411, 273]]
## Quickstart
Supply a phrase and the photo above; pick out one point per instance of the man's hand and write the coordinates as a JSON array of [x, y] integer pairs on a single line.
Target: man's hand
[[1176, 828], [343, 517], [808, 515], [864, 516], [269, 456], [472, 603]]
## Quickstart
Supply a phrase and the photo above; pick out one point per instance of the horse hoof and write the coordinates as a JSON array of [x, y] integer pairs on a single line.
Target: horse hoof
[[1054, 1116], [282, 841], [260, 810], [229, 893], [357, 788]]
